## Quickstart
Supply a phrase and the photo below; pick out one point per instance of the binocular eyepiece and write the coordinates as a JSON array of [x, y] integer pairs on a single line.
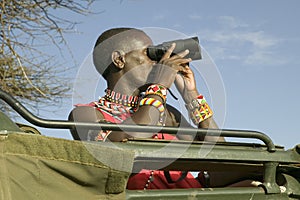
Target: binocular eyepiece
[[192, 44]]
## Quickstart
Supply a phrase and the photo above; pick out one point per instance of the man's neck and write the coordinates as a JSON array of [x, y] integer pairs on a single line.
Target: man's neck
[[125, 89]]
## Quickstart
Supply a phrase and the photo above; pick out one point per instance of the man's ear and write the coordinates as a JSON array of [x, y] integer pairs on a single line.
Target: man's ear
[[118, 58]]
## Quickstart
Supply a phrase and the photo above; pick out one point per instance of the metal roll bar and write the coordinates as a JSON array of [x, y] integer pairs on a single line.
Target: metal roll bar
[[64, 124]]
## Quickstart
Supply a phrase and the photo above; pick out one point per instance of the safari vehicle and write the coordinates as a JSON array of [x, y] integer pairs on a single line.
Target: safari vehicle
[[34, 166]]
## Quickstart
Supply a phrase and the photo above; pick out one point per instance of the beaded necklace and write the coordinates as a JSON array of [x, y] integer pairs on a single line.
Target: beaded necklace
[[116, 105], [125, 100], [150, 179], [119, 104]]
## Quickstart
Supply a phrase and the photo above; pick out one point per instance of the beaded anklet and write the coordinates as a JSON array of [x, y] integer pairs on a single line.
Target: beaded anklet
[[199, 110]]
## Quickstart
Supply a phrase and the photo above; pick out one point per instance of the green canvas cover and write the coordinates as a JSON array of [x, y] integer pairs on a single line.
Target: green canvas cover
[[39, 167]]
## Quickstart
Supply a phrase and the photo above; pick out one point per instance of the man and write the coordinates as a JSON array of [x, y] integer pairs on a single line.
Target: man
[[120, 57], [136, 94]]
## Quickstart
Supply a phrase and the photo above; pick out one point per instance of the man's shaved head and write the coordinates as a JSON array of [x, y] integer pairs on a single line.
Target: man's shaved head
[[123, 39]]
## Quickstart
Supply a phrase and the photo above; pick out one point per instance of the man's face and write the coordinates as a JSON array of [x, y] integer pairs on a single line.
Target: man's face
[[137, 63]]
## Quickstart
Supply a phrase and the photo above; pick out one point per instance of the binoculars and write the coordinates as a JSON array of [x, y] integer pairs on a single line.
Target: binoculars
[[192, 44]]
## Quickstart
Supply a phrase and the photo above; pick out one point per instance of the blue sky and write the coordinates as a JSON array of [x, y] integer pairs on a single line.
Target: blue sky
[[252, 46]]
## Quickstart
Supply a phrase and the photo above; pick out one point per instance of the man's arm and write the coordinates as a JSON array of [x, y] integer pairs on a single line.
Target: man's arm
[[83, 114], [210, 123], [186, 84], [91, 114]]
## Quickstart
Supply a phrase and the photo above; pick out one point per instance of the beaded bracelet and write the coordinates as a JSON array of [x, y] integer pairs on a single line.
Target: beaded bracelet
[[157, 104], [157, 90], [153, 102], [199, 110]]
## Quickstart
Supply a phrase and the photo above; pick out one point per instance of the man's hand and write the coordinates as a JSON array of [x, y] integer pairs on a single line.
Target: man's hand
[[165, 71], [186, 84]]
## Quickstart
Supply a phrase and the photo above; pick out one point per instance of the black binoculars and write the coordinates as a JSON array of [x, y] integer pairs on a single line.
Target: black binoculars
[[192, 44]]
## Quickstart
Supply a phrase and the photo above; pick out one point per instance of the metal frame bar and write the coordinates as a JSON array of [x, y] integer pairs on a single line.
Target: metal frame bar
[[64, 124], [269, 165], [205, 193]]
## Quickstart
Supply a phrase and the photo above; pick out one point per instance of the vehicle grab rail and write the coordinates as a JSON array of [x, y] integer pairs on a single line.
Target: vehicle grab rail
[[65, 124]]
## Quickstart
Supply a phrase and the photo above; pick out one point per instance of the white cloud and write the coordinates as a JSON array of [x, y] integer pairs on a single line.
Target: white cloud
[[158, 17], [258, 39], [231, 22], [265, 58], [195, 17], [235, 40]]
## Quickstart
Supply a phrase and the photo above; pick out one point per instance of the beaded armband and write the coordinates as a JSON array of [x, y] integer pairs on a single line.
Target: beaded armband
[[199, 110], [157, 104], [157, 90], [153, 102]]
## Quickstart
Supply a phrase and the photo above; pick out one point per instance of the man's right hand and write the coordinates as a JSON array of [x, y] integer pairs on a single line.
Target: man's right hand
[[165, 71]]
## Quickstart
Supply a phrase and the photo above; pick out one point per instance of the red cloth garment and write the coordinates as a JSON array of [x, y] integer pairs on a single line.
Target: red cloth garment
[[159, 181], [157, 178]]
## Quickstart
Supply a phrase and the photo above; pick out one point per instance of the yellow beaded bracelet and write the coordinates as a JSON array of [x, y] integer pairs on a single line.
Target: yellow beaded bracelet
[[153, 102], [157, 104]]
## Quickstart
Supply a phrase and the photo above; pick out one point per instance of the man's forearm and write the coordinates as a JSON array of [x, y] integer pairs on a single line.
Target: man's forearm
[[211, 124]]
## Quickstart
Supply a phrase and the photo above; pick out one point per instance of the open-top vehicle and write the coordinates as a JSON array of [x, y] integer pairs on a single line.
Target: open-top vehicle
[[34, 166]]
